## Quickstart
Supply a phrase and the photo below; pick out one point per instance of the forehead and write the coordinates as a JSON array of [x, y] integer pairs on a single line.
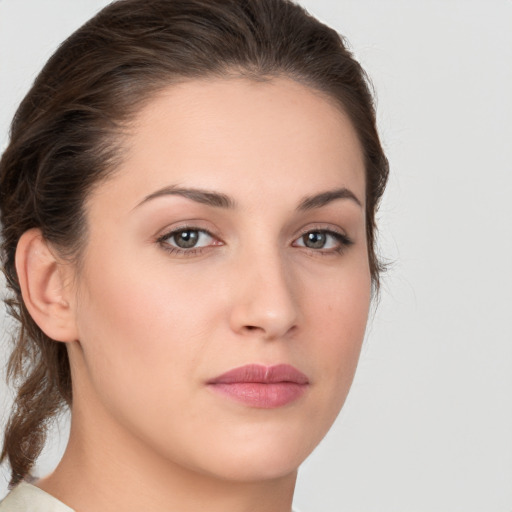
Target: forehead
[[274, 137]]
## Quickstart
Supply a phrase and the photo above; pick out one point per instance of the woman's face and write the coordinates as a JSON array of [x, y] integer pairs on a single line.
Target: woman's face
[[225, 285]]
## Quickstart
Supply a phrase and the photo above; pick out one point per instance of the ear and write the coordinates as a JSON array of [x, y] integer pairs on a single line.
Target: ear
[[46, 291]]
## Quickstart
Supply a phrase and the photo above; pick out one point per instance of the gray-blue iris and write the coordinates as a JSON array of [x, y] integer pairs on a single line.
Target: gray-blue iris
[[315, 240], [186, 239]]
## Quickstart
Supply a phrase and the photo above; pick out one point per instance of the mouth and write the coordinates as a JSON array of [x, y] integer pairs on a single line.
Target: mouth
[[259, 386]]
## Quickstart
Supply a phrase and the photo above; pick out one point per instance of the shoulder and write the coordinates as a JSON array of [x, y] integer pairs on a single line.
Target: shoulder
[[29, 498]]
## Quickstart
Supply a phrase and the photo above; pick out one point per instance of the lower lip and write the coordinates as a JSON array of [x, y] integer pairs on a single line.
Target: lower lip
[[261, 395]]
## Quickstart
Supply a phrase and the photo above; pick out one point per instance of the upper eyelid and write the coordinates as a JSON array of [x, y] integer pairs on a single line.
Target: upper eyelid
[[170, 231], [324, 228], [332, 232], [198, 225]]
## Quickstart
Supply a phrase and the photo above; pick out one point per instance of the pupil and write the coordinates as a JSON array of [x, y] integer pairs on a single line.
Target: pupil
[[186, 239], [314, 240]]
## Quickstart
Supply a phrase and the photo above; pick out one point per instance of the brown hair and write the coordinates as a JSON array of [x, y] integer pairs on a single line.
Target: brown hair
[[65, 140]]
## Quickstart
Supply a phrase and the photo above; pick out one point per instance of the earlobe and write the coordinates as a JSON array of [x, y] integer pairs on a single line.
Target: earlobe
[[44, 288]]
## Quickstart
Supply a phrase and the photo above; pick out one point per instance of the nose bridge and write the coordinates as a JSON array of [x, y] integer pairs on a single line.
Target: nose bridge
[[265, 302]]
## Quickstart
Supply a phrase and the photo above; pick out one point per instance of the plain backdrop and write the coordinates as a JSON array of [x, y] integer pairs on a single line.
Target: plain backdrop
[[428, 423]]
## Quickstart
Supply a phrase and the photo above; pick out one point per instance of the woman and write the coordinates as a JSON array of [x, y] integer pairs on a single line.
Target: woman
[[188, 210]]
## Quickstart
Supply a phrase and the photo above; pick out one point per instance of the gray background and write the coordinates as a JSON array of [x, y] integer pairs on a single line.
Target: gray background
[[428, 423]]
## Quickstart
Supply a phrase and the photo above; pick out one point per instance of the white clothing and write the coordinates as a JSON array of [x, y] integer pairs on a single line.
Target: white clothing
[[29, 498]]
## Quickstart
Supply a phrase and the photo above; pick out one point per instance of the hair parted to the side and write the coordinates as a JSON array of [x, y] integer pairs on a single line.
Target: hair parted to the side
[[66, 135]]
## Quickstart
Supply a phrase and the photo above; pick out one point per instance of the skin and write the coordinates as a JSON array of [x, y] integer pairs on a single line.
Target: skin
[[146, 328]]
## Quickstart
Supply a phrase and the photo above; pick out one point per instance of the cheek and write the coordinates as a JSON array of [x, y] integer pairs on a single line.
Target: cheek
[[147, 335], [142, 329], [335, 317], [338, 314]]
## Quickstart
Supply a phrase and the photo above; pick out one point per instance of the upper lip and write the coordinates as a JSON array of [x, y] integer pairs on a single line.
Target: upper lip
[[258, 373]]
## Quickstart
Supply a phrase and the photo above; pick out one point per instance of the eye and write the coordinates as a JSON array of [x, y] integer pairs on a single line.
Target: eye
[[184, 239], [323, 240]]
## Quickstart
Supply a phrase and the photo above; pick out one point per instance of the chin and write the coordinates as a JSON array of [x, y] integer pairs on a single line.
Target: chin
[[261, 453], [256, 469]]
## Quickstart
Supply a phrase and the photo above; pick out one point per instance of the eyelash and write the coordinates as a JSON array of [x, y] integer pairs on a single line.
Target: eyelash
[[344, 242]]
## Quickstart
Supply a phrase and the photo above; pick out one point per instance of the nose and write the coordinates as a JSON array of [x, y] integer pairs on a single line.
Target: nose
[[264, 302]]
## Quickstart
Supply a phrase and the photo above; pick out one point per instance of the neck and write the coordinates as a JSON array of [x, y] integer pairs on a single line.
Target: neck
[[106, 469]]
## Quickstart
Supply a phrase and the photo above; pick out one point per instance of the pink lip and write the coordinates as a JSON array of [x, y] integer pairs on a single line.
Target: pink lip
[[264, 387]]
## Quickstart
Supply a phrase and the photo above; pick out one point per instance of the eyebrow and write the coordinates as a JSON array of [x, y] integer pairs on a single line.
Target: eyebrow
[[324, 198], [219, 200], [215, 199]]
